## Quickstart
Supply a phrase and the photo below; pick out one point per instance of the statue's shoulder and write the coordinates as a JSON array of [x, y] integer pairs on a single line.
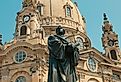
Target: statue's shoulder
[[51, 37]]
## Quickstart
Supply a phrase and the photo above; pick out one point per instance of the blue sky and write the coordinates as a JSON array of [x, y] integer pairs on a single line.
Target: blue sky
[[92, 10]]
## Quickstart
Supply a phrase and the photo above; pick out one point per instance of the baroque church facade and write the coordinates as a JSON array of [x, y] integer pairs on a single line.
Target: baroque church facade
[[25, 57]]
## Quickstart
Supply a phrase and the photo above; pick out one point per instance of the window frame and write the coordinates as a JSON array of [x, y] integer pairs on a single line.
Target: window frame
[[90, 67], [113, 56], [21, 54], [23, 30], [81, 46], [68, 11], [41, 11]]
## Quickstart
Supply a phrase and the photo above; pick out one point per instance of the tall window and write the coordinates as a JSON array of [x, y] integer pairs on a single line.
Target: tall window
[[68, 11], [21, 79], [80, 42], [40, 9], [113, 54], [23, 30], [91, 64]]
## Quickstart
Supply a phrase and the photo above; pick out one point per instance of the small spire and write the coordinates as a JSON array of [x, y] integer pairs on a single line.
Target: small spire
[[105, 17]]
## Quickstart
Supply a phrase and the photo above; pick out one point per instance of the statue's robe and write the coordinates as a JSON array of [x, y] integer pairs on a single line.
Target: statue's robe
[[61, 61]]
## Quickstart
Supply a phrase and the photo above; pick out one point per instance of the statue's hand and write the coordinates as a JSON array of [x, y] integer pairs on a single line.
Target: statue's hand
[[76, 44]]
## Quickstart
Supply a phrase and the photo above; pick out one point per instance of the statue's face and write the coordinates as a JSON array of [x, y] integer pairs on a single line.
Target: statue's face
[[60, 31]]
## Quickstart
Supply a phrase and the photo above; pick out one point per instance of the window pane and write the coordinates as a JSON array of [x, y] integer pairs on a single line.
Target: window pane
[[113, 54], [20, 56], [39, 8], [92, 64], [23, 30], [68, 11], [80, 42], [21, 79]]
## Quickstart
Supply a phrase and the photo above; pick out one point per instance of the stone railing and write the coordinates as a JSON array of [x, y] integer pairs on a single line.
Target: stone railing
[[67, 22]]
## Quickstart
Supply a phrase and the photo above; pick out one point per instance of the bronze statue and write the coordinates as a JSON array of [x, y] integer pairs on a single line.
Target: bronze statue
[[63, 57]]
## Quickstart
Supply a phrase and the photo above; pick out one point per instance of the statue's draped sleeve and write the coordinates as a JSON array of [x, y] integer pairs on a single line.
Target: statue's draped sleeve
[[55, 47]]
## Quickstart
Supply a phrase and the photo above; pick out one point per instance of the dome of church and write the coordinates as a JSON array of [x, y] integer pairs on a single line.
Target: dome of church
[[40, 18], [62, 12]]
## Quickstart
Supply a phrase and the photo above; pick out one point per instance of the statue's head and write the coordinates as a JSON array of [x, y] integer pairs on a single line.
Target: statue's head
[[60, 30]]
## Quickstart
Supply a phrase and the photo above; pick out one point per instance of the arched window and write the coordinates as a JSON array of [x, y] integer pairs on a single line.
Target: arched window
[[91, 64], [21, 79], [68, 11], [113, 54], [80, 42], [92, 80], [40, 8], [23, 30]]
